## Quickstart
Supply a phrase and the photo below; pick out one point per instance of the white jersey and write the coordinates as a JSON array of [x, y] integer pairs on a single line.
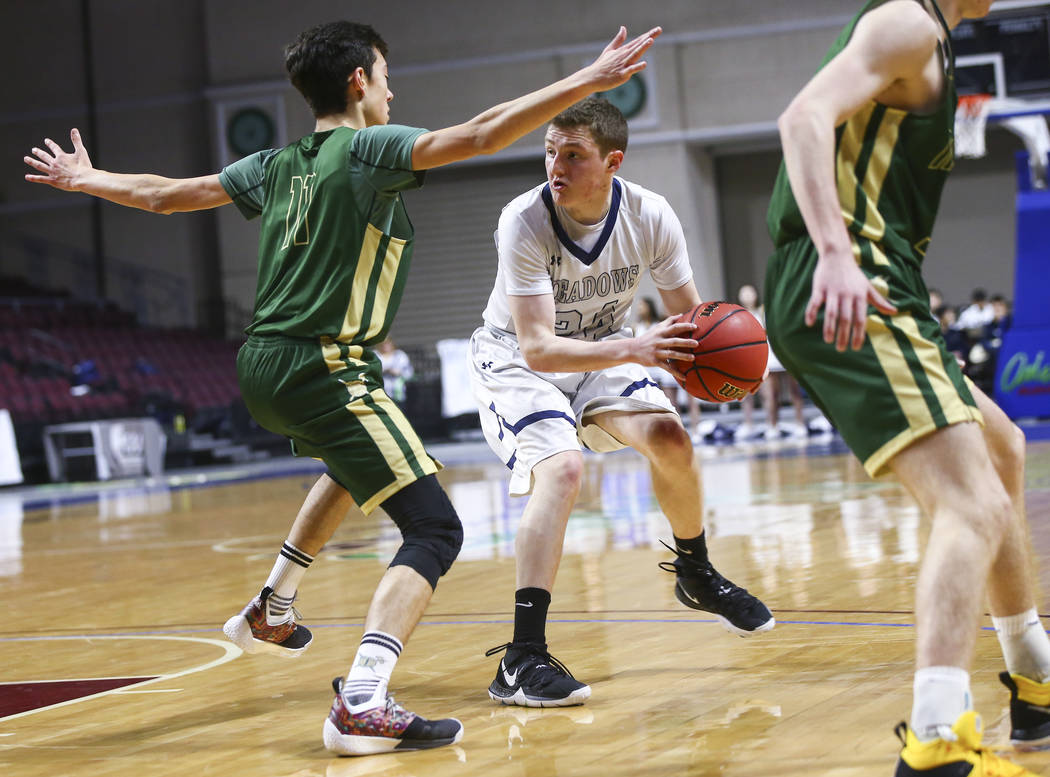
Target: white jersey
[[593, 270]]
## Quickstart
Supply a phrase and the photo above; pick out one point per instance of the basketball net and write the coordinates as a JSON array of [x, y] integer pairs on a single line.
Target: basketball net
[[971, 118]]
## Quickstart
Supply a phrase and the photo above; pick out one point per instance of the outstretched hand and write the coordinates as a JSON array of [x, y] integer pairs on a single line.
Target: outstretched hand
[[58, 168], [844, 292], [619, 61]]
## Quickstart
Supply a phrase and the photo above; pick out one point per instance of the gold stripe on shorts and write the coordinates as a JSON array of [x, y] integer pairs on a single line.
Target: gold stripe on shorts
[[334, 359], [388, 445], [952, 405], [907, 391]]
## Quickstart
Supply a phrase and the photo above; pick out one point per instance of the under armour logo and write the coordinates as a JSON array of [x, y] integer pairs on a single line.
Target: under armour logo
[[556, 260], [486, 365]]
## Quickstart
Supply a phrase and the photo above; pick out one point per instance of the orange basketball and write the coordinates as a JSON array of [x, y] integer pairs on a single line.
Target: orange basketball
[[731, 352]]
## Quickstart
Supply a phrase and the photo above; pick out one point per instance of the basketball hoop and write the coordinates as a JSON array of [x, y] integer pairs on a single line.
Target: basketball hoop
[[971, 117]]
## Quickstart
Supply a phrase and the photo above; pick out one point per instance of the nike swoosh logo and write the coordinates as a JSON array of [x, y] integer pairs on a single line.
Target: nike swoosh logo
[[686, 552], [523, 604], [508, 678], [690, 597]]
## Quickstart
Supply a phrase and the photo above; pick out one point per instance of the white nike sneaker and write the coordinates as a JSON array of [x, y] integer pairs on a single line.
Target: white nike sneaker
[[529, 676]]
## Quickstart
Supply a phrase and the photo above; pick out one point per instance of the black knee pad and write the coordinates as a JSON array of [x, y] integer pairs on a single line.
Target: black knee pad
[[430, 528]]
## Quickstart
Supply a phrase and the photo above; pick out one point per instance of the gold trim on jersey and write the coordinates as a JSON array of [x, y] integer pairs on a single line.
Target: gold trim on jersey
[[878, 169], [850, 144], [391, 264], [851, 147], [362, 288]]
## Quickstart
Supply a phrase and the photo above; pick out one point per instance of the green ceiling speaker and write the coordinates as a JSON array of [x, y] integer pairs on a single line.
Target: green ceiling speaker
[[249, 130], [629, 97]]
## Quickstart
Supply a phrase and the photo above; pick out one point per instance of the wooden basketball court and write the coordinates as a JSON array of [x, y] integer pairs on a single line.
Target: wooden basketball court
[[113, 662]]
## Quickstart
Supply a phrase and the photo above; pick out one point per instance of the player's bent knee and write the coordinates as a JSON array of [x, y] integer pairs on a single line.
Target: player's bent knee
[[991, 513], [1016, 443], [431, 530], [667, 438], [562, 471]]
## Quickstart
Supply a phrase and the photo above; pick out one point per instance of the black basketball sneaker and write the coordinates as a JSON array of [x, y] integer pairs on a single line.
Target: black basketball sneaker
[[1029, 712], [529, 676], [698, 585]]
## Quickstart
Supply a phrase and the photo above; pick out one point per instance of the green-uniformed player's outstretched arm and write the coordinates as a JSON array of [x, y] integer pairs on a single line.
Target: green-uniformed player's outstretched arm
[[501, 125], [73, 172]]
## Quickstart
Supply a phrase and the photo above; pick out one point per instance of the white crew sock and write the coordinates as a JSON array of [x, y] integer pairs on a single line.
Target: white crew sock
[[366, 684], [284, 579], [941, 695], [1025, 645]]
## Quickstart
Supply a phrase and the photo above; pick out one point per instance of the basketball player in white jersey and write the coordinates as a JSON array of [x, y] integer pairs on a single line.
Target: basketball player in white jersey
[[554, 369]]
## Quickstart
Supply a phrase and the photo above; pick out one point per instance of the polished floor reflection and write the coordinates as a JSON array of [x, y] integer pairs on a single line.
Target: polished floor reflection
[[123, 590]]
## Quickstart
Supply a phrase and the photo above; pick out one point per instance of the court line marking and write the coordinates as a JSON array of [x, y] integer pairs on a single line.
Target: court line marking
[[230, 652], [493, 622]]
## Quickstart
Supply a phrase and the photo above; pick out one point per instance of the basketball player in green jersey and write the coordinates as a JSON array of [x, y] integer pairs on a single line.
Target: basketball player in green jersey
[[867, 146], [334, 251]]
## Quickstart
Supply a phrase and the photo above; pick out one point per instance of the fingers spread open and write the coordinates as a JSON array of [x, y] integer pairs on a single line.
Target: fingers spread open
[[36, 164]]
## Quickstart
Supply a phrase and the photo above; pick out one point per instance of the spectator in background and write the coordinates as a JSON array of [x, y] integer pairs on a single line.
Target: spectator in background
[[648, 315], [86, 373], [144, 366], [992, 337], [397, 369], [977, 314], [771, 387], [954, 338], [1002, 318], [936, 299]]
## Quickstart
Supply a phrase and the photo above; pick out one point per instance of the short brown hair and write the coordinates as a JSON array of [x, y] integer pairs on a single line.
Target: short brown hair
[[607, 125], [320, 60]]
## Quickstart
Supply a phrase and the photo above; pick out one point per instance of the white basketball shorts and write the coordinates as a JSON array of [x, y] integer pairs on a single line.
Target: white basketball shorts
[[529, 416]]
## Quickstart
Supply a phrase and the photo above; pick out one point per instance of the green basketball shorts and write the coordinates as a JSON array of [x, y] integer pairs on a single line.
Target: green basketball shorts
[[900, 386], [328, 399]]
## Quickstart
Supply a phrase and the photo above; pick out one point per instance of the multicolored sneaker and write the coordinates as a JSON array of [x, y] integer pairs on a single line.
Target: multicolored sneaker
[[384, 728], [534, 678], [1029, 712], [251, 633], [700, 586], [958, 754]]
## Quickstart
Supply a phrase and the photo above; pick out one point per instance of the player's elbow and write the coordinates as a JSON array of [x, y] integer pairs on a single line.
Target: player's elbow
[[482, 140], [157, 200], [536, 356], [535, 359], [792, 117], [804, 119], [486, 133]]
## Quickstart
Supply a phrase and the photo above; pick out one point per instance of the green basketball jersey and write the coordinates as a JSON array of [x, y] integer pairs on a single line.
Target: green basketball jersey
[[335, 242], [890, 167]]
